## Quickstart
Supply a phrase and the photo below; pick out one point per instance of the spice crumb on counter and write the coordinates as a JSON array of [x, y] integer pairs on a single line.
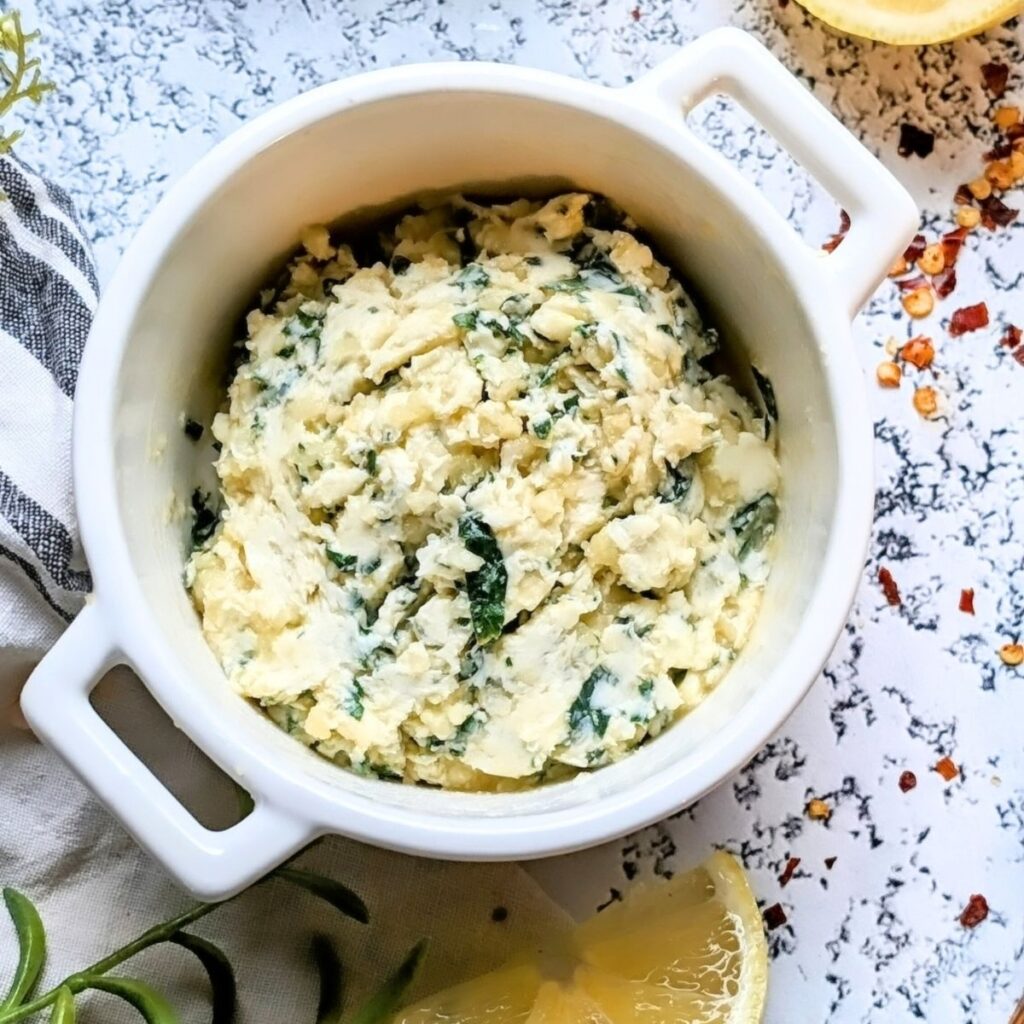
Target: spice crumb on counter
[[967, 600], [818, 810], [946, 768], [790, 869], [890, 588], [1012, 654], [888, 374], [774, 917], [926, 401], [908, 780], [975, 912]]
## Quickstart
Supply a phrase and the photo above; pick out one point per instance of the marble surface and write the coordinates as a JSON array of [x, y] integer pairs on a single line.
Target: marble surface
[[147, 86]]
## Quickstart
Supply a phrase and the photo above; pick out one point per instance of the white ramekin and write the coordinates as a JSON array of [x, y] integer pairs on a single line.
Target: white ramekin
[[159, 346]]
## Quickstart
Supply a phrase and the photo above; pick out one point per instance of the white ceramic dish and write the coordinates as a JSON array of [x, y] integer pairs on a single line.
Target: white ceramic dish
[[159, 343]]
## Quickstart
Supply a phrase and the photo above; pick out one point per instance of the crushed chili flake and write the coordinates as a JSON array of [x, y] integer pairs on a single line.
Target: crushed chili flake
[[1018, 354], [837, 239], [975, 912], [791, 865], [919, 352], [908, 780], [967, 600], [947, 769], [963, 196], [995, 213], [913, 251], [968, 318], [915, 141], [635, 14], [945, 283], [911, 284], [999, 152], [951, 243], [996, 76], [818, 810], [889, 587], [1012, 337], [774, 917], [829, 861]]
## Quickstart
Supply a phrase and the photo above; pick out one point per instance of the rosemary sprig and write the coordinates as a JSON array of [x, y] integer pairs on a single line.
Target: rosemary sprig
[[18, 1005], [20, 75]]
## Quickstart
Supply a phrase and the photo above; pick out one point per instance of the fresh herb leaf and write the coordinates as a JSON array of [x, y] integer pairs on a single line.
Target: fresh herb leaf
[[533, 261], [582, 712], [678, 480], [305, 325], [381, 1007], [353, 702], [646, 687], [332, 981], [466, 320], [634, 293], [486, 586], [218, 969], [339, 896], [469, 725], [28, 927], [371, 462], [471, 662], [204, 519], [767, 390], [473, 276], [755, 524], [542, 428], [346, 563], [154, 1007], [567, 284]]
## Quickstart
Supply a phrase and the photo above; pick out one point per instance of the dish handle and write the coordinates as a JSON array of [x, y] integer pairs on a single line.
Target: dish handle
[[883, 216], [211, 864]]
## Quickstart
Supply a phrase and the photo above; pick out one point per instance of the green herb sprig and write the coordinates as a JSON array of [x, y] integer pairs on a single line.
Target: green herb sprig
[[153, 1007], [20, 75]]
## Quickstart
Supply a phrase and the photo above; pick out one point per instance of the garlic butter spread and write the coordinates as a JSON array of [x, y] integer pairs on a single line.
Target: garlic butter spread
[[486, 516]]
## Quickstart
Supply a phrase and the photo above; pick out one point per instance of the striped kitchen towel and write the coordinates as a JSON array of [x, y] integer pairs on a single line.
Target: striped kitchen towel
[[48, 293]]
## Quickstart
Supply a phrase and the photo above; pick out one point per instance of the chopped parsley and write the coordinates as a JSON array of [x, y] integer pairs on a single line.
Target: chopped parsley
[[486, 586], [353, 700], [346, 563], [204, 519], [755, 524], [582, 712], [473, 276], [767, 392]]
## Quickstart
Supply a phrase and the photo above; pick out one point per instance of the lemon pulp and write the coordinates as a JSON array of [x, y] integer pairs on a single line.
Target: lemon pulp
[[913, 21], [687, 951]]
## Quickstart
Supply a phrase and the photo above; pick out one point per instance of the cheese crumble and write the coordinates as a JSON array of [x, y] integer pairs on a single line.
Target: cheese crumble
[[486, 516]]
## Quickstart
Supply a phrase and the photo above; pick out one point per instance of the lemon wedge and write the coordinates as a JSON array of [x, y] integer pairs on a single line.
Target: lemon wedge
[[912, 22], [687, 951]]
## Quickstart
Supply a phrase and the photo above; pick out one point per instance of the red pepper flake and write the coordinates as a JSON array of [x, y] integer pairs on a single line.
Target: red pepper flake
[[947, 769], [968, 318], [889, 587], [944, 282], [913, 251], [908, 780], [975, 912], [996, 76], [995, 213], [1000, 152], [1012, 337], [1018, 354], [829, 861], [967, 600], [791, 865], [952, 242], [774, 917], [911, 284], [963, 196], [837, 239], [1015, 131], [635, 14], [915, 141]]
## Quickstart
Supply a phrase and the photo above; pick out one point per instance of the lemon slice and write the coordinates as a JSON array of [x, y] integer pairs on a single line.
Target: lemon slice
[[687, 951], [911, 22]]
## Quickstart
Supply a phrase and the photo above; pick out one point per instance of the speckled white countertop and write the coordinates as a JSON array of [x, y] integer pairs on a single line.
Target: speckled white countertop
[[147, 86]]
